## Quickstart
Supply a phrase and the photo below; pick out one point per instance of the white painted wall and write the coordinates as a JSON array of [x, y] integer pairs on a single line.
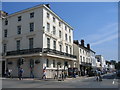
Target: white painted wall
[[56, 37], [26, 34]]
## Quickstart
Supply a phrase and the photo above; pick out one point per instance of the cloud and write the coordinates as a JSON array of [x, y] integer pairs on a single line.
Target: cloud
[[105, 40], [102, 35]]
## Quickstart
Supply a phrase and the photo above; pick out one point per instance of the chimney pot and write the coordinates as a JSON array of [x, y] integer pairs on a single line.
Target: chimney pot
[[82, 42], [88, 46], [76, 42]]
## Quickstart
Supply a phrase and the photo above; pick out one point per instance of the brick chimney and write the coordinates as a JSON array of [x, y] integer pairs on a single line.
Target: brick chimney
[[88, 46], [48, 5], [82, 42], [76, 42], [3, 14]]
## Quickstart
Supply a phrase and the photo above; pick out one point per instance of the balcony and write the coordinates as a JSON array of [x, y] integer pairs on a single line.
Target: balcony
[[86, 64], [38, 50], [52, 51], [24, 51]]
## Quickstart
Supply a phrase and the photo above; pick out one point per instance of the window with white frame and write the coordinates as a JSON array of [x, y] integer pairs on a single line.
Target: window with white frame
[[31, 26], [6, 22], [54, 63], [19, 18], [69, 30], [18, 44], [54, 30], [66, 37], [18, 29], [60, 34], [70, 50], [59, 24], [65, 27], [66, 49], [69, 38], [31, 43], [54, 44], [5, 33], [53, 19], [47, 63], [4, 48], [48, 15], [81, 58], [60, 46], [48, 42], [32, 15], [48, 27]]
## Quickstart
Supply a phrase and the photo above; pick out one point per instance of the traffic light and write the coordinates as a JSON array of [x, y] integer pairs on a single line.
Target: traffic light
[[31, 63], [22, 60]]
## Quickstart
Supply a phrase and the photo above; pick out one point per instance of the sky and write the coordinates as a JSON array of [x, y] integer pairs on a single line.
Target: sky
[[95, 22]]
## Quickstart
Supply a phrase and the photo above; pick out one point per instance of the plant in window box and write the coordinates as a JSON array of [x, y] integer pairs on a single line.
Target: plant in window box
[[37, 61], [10, 62]]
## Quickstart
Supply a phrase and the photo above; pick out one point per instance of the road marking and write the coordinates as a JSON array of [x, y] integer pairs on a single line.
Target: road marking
[[113, 82]]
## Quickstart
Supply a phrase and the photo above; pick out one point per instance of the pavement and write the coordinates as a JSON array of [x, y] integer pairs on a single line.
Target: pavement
[[109, 81]]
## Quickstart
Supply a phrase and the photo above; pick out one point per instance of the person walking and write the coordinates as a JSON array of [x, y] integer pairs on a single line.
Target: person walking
[[21, 73], [62, 75], [99, 75], [44, 73]]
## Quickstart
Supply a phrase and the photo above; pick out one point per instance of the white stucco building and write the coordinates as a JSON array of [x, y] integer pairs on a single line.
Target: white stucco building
[[35, 38], [2, 61], [85, 57], [102, 61]]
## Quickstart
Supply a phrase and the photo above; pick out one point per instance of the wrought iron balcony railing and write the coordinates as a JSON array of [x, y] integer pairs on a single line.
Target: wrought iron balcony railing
[[52, 51], [86, 64], [37, 50], [24, 51]]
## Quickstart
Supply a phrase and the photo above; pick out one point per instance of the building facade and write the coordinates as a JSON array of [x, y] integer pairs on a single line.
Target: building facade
[[37, 38], [2, 60], [85, 57], [102, 61]]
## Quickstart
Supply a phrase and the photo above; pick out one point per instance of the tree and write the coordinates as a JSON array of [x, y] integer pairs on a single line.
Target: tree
[[113, 62]]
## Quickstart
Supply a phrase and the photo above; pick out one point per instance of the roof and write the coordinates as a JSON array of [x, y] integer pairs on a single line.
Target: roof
[[81, 46], [39, 6]]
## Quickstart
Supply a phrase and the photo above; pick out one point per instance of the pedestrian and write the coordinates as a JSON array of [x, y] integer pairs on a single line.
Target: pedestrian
[[55, 75], [62, 75], [65, 74], [9, 73], [44, 73], [21, 73], [99, 75], [97, 78]]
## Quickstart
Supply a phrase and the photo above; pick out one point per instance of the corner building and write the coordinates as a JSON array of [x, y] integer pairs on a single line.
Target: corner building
[[36, 38]]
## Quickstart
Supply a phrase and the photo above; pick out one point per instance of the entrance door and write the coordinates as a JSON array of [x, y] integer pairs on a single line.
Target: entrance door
[[3, 68]]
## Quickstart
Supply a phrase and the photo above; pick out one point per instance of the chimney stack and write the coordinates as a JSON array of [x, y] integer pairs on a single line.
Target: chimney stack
[[48, 5], [88, 46], [3, 14], [82, 42], [76, 42]]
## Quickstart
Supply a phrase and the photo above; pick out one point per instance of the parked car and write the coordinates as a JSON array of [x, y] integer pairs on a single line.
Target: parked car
[[118, 73]]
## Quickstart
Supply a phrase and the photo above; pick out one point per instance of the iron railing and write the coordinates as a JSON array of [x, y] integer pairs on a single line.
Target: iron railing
[[37, 50]]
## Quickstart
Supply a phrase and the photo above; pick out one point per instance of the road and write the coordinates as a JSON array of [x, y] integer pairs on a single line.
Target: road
[[109, 81]]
